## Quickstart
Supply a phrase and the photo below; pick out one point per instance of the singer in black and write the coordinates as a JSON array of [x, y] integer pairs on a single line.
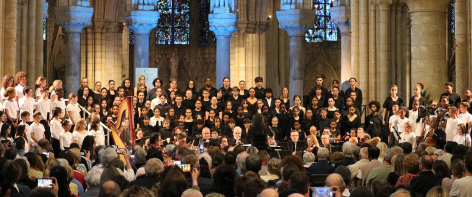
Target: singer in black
[[373, 122]]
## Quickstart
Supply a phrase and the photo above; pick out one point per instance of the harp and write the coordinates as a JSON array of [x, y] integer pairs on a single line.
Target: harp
[[123, 129]]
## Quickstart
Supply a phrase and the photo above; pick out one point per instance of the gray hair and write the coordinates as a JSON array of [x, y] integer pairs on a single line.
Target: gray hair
[[207, 157], [140, 156], [63, 162], [389, 153], [92, 178], [214, 195], [108, 155], [323, 153], [308, 157], [191, 192], [401, 191], [338, 181], [273, 166], [153, 167], [170, 150], [241, 160], [348, 147], [364, 153], [238, 128], [36, 149], [252, 150]]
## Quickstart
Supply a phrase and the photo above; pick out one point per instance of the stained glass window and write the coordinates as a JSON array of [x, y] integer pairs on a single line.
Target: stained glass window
[[453, 17], [44, 29], [131, 37], [206, 37], [173, 26], [324, 29]]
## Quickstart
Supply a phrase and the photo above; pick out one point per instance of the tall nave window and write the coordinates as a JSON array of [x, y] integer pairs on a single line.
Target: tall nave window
[[173, 26], [324, 28]]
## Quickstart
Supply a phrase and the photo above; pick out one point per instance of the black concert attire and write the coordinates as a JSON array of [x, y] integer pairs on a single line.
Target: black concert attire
[[358, 91], [373, 125], [212, 91], [422, 102], [454, 98], [388, 103], [260, 92]]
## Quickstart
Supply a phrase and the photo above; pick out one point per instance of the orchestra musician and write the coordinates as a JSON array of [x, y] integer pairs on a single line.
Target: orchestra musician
[[237, 139], [293, 140], [206, 135], [312, 144]]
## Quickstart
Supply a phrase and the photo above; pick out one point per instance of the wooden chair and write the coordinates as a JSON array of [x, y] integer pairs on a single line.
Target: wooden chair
[[318, 180]]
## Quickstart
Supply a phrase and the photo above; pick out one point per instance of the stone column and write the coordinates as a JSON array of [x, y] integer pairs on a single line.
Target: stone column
[[223, 25], [428, 49], [364, 48], [341, 17], [372, 51], [355, 38], [141, 22], [462, 63], [41, 9], [383, 63], [73, 19], [31, 40], [296, 23]]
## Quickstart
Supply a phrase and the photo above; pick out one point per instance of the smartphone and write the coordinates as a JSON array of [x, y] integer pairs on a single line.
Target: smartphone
[[121, 151], [47, 154], [177, 162], [45, 183], [114, 146], [201, 148], [185, 167], [321, 192], [132, 157], [12, 144], [82, 153]]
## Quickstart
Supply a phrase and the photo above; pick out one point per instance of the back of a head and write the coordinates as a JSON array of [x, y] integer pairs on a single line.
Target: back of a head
[[323, 153], [374, 152], [299, 181], [42, 192], [253, 163], [135, 191], [173, 184], [11, 172], [450, 145], [230, 158], [224, 179], [427, 162], [253, 187], [468, 163], [401, 193], [154, 167], [192, 193], [110, 188], [378, 184], [345, 173], [269, 192], [361, 191], [288, 170], [335, 180], [407, 147]]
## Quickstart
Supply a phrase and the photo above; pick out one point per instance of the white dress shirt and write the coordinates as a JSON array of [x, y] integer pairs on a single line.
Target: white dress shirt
[[19, 91], [44, 106], [75, 112], [61, 104], [153, 121], [65, 140], [37, 130], [56, 128], [27, 104]]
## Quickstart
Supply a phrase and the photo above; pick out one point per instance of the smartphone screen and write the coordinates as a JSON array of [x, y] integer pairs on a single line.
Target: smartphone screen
[[121, 151], [321, 192], [45, 183], [177, 162], [185, 167], [82, 153], [114, 146], [13, 144], [201, 148]]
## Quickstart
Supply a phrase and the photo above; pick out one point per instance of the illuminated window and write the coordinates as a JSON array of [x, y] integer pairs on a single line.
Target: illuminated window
[[324, 29], [173, 26]]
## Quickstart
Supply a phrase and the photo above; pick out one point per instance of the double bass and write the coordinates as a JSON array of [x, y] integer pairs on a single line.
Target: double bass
[[436, 123], [124, 123]]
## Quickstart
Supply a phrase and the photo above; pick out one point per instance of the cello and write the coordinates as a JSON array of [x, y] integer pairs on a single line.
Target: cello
[[124, 122]]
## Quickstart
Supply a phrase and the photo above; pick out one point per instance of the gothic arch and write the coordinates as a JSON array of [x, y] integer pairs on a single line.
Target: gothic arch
[[323, 68]]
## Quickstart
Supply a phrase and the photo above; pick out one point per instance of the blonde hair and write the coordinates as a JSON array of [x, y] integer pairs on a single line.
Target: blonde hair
[[81, 121], [39, 81], [397, 162], [20, 75], [141, 85], [76, 153], [54, 85]]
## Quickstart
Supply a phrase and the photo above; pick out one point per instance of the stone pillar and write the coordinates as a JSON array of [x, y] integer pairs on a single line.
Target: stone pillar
[[372, 51], [341, 17], [73, 19], [364, 48], [383, 63], [41, 10], [296, 23], [428, 49], [223, 25], [141, 22], [355, 38], [462, 63], [31, 47]]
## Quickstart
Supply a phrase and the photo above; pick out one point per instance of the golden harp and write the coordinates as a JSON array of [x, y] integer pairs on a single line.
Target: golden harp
[[123, 129]]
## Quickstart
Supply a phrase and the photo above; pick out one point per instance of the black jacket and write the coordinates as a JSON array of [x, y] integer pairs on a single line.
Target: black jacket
[[145, 181], [373, 125]]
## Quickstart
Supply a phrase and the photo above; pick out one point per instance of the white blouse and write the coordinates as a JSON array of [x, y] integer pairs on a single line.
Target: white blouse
[[76, 136], [56, 128], [12, 107], [65, 140], [462, 139]]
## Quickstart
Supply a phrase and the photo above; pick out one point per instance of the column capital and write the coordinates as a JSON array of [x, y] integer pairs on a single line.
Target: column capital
[[73, 18], [427, 5], [45, 7], [296, 21], [141, 21], [341, 16], [223, 24], [384, 4]]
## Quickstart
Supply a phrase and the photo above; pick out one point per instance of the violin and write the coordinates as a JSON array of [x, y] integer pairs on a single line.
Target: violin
[[311, 148]]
